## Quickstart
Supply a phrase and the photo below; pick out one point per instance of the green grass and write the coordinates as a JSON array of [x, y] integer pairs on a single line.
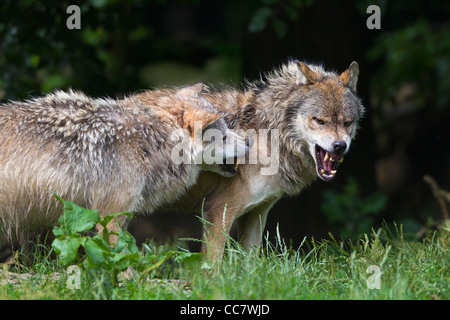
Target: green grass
[[318, 270]]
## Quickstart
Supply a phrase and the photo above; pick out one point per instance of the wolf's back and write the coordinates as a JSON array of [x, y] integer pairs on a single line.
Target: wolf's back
[[63, 142]]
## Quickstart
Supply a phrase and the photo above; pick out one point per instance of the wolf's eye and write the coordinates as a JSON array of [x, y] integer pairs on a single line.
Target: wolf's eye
[[319, 121], [348, 123]]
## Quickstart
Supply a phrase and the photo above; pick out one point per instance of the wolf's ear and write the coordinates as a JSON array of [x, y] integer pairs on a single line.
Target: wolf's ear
[[310, 75], [193, 91], [350, 76]]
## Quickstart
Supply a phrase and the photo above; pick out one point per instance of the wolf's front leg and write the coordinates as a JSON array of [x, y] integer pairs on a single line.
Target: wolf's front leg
[[219, 219], [251, 225], [215, 232]]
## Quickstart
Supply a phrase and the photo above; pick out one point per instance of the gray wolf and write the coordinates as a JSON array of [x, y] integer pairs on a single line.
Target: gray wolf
[[315, 114], [113, 155]]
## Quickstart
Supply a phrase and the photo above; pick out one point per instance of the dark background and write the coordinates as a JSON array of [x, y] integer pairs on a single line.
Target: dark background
[[404, 82]]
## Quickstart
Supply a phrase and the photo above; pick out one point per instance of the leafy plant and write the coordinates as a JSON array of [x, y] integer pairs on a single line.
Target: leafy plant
[[350, 213], [100, 256]]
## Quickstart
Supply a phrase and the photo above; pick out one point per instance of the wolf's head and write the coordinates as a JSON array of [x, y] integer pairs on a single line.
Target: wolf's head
[[324, 113], [216, 143]]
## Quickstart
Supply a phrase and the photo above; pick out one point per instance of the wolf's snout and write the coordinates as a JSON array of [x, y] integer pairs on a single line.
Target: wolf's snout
[[339, 147]]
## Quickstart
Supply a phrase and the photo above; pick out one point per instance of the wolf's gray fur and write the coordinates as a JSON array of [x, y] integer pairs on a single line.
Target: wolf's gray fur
[[108, 154]]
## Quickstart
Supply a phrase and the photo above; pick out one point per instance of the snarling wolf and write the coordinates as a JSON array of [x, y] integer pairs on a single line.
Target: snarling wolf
[[113, 155], [314, 115]]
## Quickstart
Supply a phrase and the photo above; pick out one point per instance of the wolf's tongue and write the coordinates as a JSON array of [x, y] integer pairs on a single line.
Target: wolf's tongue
[[327, 164], [329, 161]]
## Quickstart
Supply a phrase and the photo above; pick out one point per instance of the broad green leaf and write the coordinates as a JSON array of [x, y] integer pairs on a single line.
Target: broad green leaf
[[124, 261], [75, 219], [126, 243], [66, 249], [97, 251]]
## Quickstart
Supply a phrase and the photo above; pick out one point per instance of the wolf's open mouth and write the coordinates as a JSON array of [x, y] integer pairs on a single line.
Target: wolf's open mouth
[[327, 163]]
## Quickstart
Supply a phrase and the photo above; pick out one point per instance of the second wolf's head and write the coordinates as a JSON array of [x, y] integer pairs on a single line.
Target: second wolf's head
[[210, 141], [323, 114]]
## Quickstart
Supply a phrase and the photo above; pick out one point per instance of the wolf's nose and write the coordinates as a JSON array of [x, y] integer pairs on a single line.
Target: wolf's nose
[[339, 147]]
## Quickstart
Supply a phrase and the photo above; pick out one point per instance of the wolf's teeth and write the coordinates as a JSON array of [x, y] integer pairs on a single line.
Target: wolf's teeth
[[333, 172], [237, 163], [326, 157], [331, 159], [322, 171], [342, 160]]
